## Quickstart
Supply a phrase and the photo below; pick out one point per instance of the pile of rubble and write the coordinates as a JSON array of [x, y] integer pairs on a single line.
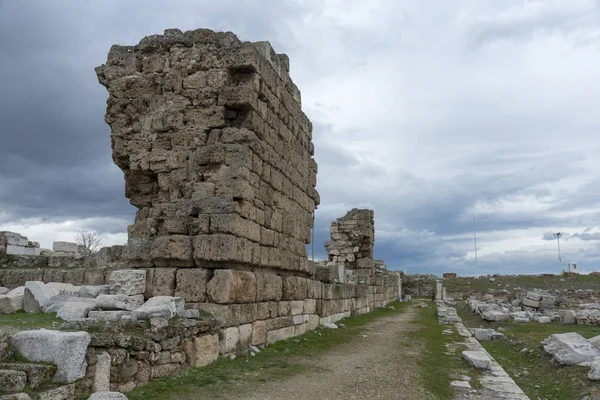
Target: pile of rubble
[[535, 306], [122, 299]]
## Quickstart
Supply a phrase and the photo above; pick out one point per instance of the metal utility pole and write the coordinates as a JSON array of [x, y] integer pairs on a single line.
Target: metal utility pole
[[475, 241], [558, 235]]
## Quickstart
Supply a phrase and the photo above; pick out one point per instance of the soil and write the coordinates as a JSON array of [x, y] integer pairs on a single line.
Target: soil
[[379, 364]]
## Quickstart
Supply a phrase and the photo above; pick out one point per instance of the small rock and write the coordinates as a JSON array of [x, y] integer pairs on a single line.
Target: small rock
[[232, 357]]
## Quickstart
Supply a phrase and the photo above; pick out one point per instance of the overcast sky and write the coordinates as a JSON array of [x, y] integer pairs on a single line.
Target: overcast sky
[[425, 113]]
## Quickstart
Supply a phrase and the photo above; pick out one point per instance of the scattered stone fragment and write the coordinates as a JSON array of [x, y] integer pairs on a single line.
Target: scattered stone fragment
[[477, 359], [486, 335]]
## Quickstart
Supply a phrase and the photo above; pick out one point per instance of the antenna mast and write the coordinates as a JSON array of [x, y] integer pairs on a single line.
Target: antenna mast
[[475, 241]]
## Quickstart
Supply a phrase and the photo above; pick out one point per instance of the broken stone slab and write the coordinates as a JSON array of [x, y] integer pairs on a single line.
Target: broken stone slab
[[30, 304], [531, 303], [41, 292], [66, 392], [37, 374], [119, 302], [107, 396], [477, 359], [128, 281], [570, 349], [486, 335], [66, 350], [544, 320], [495, 316], [521, 320], [73, 310], [12, 381], [93, 291], [109, 315], [567, 317], [161, 307]]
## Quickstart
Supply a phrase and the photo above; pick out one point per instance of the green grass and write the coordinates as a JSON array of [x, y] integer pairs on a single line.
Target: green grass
[[274, 362], [534, 370], [440, 364], [23, 321], [525, 282]]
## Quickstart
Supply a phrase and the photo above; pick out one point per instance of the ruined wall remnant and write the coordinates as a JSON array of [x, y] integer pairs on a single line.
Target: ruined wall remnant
[[216, 151], [352, 239]]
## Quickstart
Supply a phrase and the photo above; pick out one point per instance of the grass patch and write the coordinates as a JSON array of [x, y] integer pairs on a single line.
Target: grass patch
[[534, 370], [23, 321], [524, 282], [274, 362], [441, 360]]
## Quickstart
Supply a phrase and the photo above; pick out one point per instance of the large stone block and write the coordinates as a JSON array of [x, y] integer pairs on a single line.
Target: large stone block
[[102, 373], [206, 350], [295, 288], [280, 334], [229, 339], [173, 250], [268, 287], [191, 284], [66, 350], [230, 286], [221, 247], [161, 282], [128, 281], [259, 333], [160, 306]]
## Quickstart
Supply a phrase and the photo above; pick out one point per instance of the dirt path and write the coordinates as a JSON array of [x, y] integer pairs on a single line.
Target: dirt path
[[381, 365]]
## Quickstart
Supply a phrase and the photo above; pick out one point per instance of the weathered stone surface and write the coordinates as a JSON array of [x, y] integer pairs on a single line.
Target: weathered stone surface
[[37, 374], [119, 302], [102, 375], [594, 372], [4, 290], [12, 381], [570, 348], [268, 287], [41, 292], [280, 334], [128, 281], [495, 316], [66, 392], [295, 288], [163, 306], [30, 304], [16, 396], [567, 317], [486, 335], [108, 315], [531, 303], [11, 303], [206, 350], [191, 284], [93, 291], [230, 286], [74, 310], [229, 339], [477, 359], [106, 395], [259, 333], [66, 350]]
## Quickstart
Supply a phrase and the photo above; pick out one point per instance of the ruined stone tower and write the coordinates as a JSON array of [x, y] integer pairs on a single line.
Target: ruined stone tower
[[215, 149]]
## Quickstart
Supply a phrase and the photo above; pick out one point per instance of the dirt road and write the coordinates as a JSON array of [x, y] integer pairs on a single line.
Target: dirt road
[[382, 365]]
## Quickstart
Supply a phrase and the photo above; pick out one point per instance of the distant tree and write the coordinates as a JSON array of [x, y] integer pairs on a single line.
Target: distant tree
[[90, 240]]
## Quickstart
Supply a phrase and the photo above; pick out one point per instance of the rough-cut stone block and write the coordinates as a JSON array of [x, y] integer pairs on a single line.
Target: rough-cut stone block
[[162, 282], [268, 287], [218, 247], [259, 333], [229, 339], [128, 281], [66, 350], [230, 286], [72, 310], [191, 284], [310, 306], [41, 292], [478, 359], [37, 374], [30, 304], [313, 322], [295, 288], [280, 334], [531, 303], [567, 317], [245, 335], [160, 306], [206, 350], [173, 250], [119, 302], [297, 307]]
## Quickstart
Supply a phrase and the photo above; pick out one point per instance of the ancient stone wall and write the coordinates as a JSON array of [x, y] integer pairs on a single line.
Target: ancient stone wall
[[352, 240], [216, 152]]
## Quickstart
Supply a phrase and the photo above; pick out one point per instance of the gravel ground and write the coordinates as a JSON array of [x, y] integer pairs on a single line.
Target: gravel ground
[[378, 366]]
